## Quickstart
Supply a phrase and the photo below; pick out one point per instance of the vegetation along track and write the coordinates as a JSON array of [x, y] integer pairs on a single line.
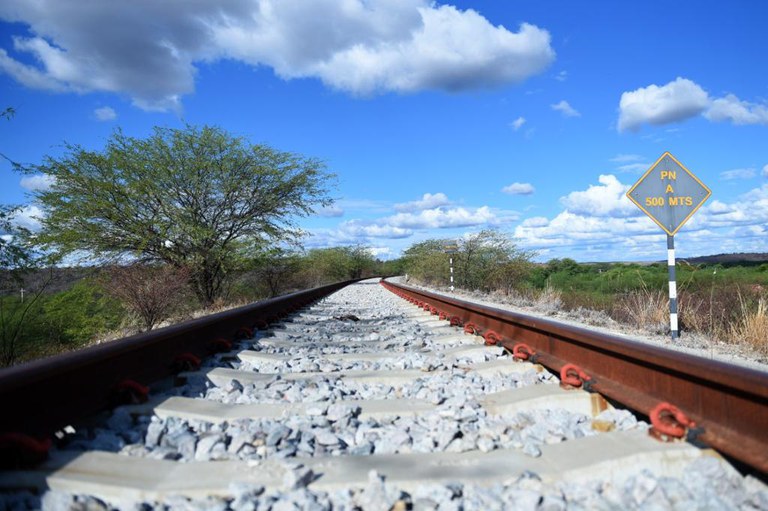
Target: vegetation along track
[[362, 400]]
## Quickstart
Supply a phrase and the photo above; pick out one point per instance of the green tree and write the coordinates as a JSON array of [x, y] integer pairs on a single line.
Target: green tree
[[75, 316], [427, 262], [489, 259], [195, 198]]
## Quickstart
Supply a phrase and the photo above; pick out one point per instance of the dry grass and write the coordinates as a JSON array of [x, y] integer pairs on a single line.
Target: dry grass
[[752, 326], [645, 309], [550, 299]]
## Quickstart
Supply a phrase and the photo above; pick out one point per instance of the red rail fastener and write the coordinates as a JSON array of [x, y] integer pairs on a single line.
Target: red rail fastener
[[219, 345], [471, 328], [426, 306], [491, 338], [522, 351], [186, 362], [130, 392], [669, 422], [455, 321], [443, 315], [244, 333], [18, 450], [572, 376], [260, 324], [433, 311]]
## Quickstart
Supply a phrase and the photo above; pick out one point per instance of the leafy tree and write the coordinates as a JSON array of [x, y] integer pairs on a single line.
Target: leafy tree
[[427, 262], [195, 198], [275, 270], [489, 259], [75, 316]]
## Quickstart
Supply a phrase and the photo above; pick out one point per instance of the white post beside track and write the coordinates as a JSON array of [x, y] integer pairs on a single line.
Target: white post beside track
[[673, 328]]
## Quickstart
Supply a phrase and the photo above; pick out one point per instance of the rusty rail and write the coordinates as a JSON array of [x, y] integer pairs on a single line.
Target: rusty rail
[[40, 397], [728, 403]]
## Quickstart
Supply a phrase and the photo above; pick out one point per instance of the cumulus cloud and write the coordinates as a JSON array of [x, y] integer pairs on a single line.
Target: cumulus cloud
[[746, 173], [566, 109], [678, 100], [607, 199], [357, 229], [731, 108], [105, 113], [682, 99], [441, 218], [428, 201], [518, 123], [519, 189], [37, 182], [765, 171], [561, 76], [358, 46]]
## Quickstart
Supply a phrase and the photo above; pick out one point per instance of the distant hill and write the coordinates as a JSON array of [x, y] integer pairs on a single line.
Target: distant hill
[[730, 259]]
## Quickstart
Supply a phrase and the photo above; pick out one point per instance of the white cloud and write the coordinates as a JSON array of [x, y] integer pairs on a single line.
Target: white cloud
[[359, 46], [519, 189], [441, 218], [28, 217], [105, 113], [428, 201], [380, 252], [561, 76], [332, 211], [607, 199], [746, 173], [360, 229], [566, 109], [37, 182], [518, 123], [731, 108], [676, 101], [765, 171]]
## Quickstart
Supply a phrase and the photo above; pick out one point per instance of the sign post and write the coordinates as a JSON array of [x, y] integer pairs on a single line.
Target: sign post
[[669, 194], [450, 249]]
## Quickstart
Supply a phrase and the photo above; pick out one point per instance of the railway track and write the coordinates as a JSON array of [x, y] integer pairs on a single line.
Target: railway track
[[363, 399]]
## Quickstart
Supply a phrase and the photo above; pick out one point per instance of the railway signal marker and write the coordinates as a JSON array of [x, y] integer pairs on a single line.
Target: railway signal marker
[[669, 194]]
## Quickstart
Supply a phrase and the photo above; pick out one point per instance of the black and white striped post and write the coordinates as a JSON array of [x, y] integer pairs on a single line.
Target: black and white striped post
[[451, 273], [673, 328]]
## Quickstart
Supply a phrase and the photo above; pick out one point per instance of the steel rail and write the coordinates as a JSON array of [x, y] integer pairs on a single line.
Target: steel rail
[[43, 396], [728, 403]]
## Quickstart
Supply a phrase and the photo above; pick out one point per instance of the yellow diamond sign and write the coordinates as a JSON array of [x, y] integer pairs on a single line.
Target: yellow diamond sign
[[669, 193]]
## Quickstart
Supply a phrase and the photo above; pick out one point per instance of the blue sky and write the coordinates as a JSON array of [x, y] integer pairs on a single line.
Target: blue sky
[[439, 119]]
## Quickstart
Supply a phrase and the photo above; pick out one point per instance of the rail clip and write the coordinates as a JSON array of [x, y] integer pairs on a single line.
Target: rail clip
[[492, 338], [669, 422], [573, 377], [522, 351], [18, 450], [130, 392], [186, 362], [471, 328]]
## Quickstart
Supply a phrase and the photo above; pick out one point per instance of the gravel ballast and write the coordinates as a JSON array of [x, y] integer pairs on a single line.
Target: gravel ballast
[[365, 318]]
